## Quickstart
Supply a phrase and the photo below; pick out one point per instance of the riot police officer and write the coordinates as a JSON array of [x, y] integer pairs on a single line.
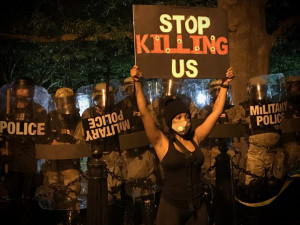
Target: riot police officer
[[264, 157], [59, 173], [107, 147], [28, 119], [293, 94], [141, 165], [291, 140], [210, 147]]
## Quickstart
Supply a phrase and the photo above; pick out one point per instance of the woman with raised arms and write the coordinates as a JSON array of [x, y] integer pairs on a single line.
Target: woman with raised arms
[[181, 201]]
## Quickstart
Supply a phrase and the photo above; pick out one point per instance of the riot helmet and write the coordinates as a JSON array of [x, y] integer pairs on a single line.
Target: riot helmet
[[293, 89], [23, 89], [128, 86], [65, 101], [100, 97], [171, 86], [257, 90], [214, 89]]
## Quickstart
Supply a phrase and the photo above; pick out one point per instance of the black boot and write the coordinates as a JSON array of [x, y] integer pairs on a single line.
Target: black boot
[[71, 217], [128, 211], [148, 212]]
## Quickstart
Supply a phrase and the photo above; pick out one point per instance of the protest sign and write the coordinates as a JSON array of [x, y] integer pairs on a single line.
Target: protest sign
[[180, 42]]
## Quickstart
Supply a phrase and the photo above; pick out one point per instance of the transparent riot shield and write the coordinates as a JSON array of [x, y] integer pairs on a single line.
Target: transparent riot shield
[[100, 126], [64, 184], [5, 94], [291, 126], [192, 91], [293, 93], [202, 95], [267, 102], [140, 167], [153, 92], [128, 105], [265, 157], [23, 118], [5, 91], [157, 93], [42, 97], [100, 117], [23, 126]]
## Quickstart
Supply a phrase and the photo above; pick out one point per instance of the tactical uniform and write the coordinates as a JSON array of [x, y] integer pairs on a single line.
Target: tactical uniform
[[141, 164], [210, 147], [108, 146], [291, 141], [22, 178], [59, 173], [264, 157]]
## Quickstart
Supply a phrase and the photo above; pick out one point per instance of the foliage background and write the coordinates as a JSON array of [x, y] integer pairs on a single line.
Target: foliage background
[[75, 43]]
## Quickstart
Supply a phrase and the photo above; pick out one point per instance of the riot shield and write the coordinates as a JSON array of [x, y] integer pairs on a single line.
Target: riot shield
[[267, 102], [128, 105], [6, 88], [100, 125], [265, 158], [293, 93], [100, 117], [5, 93], [23, 121], [140, 164], [64, 184], [291, 126], [160, 91], [22, 126]]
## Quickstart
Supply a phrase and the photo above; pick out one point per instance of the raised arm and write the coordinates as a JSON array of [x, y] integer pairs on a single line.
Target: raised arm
[[155, 136], [205, 128]]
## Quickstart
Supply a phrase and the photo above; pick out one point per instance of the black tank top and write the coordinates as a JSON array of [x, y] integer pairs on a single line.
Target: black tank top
[[175, 189]]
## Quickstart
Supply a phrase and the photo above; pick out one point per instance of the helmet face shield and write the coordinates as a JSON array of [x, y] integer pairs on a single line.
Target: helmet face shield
[[170, 87], [65, 101], [267, 102], [214, 89], [95, 96], [23, 95], [293, 88], [267, 88], [23, 89], [257, 92], [99, 98], [128, 86], [129, 89], [66, 104]]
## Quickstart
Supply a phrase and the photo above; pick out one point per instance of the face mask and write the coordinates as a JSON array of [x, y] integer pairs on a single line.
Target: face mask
[[181, 127]]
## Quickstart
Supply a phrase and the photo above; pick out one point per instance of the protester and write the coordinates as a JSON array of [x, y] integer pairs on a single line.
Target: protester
[[181, 199], [169, 90]]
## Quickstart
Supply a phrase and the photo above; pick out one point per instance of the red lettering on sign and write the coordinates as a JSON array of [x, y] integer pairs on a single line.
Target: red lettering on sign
[[140, 44]]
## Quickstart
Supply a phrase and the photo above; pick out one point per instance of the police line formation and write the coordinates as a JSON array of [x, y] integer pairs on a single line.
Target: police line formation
[[99, 115]]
